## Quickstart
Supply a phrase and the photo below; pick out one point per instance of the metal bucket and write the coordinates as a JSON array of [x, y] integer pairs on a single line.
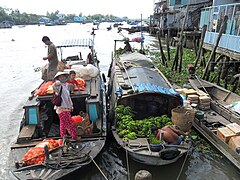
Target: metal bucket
[[183, 118]]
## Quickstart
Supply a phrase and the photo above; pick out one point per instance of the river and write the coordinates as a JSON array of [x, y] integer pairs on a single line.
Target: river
[[21, 52]]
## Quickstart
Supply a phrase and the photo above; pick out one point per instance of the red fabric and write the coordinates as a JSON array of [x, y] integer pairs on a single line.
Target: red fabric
[[72, 82], [67, 124]]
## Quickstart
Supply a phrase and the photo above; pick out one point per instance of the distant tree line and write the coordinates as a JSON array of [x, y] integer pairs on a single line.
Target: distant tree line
[[17, 18]]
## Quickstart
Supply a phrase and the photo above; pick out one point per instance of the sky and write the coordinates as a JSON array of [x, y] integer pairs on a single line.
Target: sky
[[120, 8]]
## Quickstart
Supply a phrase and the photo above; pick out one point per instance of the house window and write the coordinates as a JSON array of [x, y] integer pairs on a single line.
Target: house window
[[236, 21]]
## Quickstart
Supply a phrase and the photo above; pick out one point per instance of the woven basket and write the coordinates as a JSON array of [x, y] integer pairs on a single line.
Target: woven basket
[[84, 127], [183, 118]]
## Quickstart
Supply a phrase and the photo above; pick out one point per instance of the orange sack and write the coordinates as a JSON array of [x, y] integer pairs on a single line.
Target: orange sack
[[81, 84], [36, 154], [43, 89]]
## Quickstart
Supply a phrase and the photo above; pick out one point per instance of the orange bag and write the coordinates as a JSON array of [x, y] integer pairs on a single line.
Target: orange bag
[[36, 154], [43, 89], [81, 84]]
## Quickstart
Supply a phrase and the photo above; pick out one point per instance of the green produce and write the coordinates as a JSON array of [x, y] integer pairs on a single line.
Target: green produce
[[154, 140], [129, 128]]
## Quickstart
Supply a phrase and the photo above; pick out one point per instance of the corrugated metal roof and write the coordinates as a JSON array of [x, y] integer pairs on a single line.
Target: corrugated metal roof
[[76, 43]]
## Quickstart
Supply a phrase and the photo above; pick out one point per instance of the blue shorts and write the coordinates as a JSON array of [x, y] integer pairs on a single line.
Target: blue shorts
[[178, 141]]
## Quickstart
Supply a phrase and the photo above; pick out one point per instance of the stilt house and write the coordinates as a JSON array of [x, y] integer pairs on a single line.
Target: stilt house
[[169, 14]]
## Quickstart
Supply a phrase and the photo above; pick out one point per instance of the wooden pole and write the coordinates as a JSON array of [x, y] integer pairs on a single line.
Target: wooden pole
[[161, 50], [222, 30], [202, 60], [167, 43], [204, 29], [179, 45], [180, 40]]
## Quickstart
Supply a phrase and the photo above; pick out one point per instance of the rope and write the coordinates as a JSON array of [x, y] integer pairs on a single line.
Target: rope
[[183, 166], [105, 177], [128, 171]]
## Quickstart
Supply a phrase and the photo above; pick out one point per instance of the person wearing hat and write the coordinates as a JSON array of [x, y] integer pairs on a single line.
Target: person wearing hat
[[52, 59], [64, 110], [71, 82]]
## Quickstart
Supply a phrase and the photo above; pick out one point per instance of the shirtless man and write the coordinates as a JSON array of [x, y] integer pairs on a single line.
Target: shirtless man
[[171, 135]]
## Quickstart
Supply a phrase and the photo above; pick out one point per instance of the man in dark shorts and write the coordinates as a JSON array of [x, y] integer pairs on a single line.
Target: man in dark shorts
[[52, 59]]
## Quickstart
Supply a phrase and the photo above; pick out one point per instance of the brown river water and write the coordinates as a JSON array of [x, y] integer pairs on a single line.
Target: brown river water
[[21, 52]]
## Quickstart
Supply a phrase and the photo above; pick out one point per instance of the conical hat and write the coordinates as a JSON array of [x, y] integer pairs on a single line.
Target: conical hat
[[61, 73]]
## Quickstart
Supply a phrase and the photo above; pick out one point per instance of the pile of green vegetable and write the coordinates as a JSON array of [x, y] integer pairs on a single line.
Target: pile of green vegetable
[[129, 128]]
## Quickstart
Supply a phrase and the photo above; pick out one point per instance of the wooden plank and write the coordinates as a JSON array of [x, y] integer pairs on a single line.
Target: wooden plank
[[26, 133], [223, 51], [25, 145], [139, 142], [93, 88]]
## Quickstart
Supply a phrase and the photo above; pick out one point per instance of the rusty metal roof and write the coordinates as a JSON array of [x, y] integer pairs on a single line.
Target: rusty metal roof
[[76, 43]]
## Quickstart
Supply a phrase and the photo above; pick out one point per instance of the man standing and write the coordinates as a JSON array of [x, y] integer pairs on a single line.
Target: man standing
[[52, 59]]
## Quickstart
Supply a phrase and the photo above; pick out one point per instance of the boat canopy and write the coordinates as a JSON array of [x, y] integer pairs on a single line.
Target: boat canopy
[[76, 43], [136, 59], [142, 75]]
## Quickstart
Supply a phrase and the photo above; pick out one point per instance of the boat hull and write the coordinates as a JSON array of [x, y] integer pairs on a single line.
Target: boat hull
[[218, 116], [90, 148], [142, 153]]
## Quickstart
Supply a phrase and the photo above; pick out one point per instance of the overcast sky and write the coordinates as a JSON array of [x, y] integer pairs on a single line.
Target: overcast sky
[[120, 8]]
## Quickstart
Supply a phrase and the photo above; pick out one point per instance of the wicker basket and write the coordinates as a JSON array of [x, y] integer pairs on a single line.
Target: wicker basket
[[84, 127], [183, 118]]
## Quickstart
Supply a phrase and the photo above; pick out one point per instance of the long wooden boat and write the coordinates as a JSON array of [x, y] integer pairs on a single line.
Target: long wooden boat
[[218, 116], [41, 122], [135, 82]]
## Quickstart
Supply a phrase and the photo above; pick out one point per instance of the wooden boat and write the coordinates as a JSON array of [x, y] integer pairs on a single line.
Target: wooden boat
[[117, 24], [134, 81], [218, 116], [109, 28], [6, 24], [41, 122]]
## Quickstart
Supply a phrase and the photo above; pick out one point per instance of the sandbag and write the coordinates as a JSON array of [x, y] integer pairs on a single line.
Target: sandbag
[[44, 72], [61, 66], [85, 72]]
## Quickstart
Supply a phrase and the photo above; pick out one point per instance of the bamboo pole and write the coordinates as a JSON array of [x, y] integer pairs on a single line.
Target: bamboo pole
[[222, 30], [204, 29], [179, 45], [161, 50], [180, 41], [202, 60], [167, 43]]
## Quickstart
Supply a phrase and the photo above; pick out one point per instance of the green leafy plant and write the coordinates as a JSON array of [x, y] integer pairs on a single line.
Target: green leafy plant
[[154, 140]]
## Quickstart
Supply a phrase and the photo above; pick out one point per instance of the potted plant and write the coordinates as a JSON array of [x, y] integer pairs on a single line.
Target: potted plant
[[155, 144]]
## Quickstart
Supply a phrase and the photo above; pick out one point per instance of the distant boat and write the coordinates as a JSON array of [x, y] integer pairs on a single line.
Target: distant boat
[[54, 23], [109, 28], [21, 26], [51, 23], [117, 24], [6, 24]]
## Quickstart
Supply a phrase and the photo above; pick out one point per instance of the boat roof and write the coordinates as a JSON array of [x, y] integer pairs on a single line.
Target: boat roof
[[136, 59], [76, 43], [139, 75]]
